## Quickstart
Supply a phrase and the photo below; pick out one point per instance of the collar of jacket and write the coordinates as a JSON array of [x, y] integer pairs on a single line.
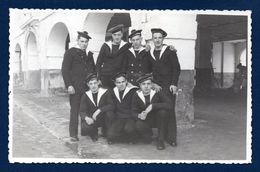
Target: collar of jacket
[[109, 44], [127, 89], [87, 51], [101, 92], [161, 53], [133, 51], [141, 95]]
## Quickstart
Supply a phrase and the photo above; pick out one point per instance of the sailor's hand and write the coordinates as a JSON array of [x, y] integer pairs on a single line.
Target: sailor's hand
[[173, 89], [71, 90], [142, 115], [156, 87], [172, 48], [89, 120]]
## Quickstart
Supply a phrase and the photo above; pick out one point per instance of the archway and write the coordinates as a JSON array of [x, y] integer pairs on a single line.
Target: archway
[[33, 76], [18, 78], [57, 44], [32, 52], [97, 24]]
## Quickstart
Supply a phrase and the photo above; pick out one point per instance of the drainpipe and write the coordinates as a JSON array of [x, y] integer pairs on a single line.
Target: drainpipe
[[222, 65]]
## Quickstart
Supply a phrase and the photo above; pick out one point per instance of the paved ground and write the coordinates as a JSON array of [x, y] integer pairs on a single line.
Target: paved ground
[[218, 133], [33, 140]]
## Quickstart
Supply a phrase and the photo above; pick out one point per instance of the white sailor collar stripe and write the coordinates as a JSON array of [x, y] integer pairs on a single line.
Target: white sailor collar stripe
[[101, 92], [109, 44], [133, 51], [161, 53], [141, 95], [87, 51], [127, 89]]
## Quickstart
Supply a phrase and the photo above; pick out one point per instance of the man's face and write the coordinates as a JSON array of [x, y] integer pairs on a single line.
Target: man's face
[[93, 85], [146, 86], [117, 37], [121, 83], [83, 43], [157, 39], [136, 41]]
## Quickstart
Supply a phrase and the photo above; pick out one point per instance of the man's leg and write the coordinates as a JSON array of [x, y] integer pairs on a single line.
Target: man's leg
[[74, 109], [108, 119], [171, 125], [161, 117], [90, 130], [144, 129], [130, 130], [115, 130]]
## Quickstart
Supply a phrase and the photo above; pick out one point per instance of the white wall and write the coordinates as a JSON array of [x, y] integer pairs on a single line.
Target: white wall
[[229, 57], [180, 34], [228, 64]]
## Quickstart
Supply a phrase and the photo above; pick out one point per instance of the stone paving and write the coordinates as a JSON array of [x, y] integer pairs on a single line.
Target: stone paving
[[218, 133]]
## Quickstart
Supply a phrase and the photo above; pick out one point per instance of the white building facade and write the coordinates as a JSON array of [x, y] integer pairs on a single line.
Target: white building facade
[[39, 38]]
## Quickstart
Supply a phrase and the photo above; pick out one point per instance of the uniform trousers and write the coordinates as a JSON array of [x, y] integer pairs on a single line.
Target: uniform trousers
[[154, 118], [103, 120], [74, 111], [171, 124], [122, 127]]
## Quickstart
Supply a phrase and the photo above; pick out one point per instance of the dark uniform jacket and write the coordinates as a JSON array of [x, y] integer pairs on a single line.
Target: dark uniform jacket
[[76, 66], [158, 101], [166, 70], [108, 63], [123, 107], [134, 64], [88, 106]]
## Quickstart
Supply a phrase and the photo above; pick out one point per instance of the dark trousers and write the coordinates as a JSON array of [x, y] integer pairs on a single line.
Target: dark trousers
[[92, 129], [154, 118], [74, 111], [107, 81], [108, 120], [104, 120], [171, 125], [122, 127]]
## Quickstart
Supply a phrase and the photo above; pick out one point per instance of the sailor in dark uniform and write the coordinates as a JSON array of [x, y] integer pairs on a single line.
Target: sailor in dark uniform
[[150, 108], [77, 63], [96, 108], [136, 61], [111, 56], [166, 71], [123, 126]]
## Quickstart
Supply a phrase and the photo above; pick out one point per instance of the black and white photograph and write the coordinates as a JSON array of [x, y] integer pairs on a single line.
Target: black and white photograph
[[130, 86]]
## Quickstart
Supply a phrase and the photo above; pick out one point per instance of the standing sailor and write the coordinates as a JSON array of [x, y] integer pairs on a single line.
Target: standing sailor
[[166, 71], [77, 64], [111, 56]]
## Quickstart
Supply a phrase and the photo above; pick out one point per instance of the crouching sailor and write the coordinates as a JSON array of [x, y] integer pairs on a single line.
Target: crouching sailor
[[123, 127], [96, 108], [150, 109]]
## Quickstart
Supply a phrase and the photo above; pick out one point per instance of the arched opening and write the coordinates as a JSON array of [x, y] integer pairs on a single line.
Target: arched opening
[[33, 77], [120, 18], [97, 24], [18, 78], [58, 43], [32, 53]]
